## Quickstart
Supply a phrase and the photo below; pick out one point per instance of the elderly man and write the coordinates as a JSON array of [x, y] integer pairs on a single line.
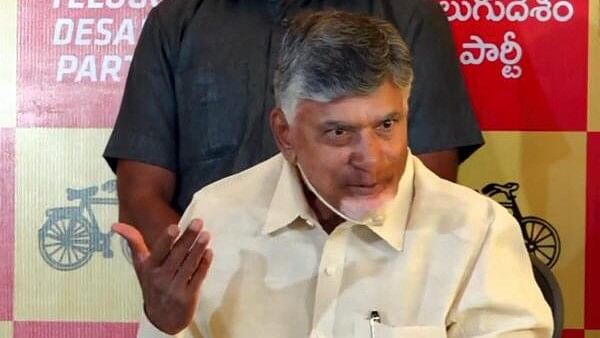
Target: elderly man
[[344, 233]]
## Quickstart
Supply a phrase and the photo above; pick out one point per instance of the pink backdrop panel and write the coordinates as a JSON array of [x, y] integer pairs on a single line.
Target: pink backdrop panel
[[592, 247], [7, 230], [73, 330], [573, 333]]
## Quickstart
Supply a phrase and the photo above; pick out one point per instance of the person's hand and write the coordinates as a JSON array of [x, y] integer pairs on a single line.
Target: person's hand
[[170, 274]]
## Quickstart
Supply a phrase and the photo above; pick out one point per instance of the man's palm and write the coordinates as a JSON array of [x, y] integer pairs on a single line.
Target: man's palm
[[171, 273]]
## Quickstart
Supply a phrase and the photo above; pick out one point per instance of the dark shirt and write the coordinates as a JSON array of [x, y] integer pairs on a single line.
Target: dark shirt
[[199, 90]]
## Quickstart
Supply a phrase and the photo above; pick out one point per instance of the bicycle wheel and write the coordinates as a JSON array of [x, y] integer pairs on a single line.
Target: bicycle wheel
[[541, 239], [65, 242]]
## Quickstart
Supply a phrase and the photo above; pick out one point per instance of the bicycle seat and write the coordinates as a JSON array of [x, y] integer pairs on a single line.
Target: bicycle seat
[[109, 186], [495, 188], [73, 194]]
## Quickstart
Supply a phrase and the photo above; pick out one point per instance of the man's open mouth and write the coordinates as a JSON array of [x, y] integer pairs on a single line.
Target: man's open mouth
[[365, 189]]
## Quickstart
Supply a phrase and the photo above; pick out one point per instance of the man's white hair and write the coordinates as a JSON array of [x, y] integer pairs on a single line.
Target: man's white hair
[[331, 54]]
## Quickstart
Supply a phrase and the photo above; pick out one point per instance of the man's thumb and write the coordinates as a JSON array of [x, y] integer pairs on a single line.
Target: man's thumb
[[138, 246]]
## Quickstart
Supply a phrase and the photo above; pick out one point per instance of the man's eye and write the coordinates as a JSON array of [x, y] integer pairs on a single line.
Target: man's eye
[[387, 124], [338, 136], [337, 132]]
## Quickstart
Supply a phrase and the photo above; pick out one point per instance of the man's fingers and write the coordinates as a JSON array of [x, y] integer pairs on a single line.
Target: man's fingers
[[182, 246], [162, 247], [192, 260], [202, 270], [138, 246]]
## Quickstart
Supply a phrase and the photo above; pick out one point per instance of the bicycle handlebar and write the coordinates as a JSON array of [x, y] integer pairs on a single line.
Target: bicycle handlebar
[[495, 188]]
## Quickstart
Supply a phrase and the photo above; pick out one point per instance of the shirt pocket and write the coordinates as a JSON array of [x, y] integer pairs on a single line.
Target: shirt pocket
[[212, 101], [362, 329]]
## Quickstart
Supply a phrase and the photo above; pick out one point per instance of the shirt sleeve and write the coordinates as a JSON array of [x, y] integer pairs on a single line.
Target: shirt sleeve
[[146, 126], [148, 330], [440, 114], [501, 298]]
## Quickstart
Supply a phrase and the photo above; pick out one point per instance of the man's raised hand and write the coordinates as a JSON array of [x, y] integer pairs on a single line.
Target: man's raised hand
[[170, 274]]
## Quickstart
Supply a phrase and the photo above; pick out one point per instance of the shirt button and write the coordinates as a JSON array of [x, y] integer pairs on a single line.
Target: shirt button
[[330, 270]]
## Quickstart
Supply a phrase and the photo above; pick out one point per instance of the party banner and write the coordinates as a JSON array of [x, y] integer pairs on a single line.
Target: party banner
[[74, 49], [532, 68], [525, 61]]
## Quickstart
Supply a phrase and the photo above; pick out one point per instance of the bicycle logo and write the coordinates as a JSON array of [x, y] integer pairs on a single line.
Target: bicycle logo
[[541, 238], [71, 235]]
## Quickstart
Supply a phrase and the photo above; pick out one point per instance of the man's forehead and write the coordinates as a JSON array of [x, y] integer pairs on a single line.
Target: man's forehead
[[354, 109], [370, 118], [387, 93]]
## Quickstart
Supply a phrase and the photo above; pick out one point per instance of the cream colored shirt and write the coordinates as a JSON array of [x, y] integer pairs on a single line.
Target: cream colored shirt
[[448, 262]]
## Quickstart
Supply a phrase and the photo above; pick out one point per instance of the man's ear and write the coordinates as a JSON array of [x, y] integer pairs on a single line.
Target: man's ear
[[282, 134]]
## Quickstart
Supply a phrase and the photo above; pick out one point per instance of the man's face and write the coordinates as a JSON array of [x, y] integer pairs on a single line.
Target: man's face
[[353, 150]]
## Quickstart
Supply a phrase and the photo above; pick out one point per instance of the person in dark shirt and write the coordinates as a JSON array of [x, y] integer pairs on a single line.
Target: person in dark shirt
[[199, 92]]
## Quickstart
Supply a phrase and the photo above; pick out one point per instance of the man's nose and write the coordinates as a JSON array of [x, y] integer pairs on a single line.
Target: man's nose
[[366, 152]]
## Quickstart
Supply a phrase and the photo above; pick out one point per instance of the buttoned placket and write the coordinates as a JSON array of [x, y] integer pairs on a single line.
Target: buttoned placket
[[329, 282]]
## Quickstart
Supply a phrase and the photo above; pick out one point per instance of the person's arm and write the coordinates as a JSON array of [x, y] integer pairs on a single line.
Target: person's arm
[[444, 163], [142, 149], [145, 194], [500, 297]]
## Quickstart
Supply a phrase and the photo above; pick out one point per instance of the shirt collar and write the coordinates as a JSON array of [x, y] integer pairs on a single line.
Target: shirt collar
[[393, 228], [289, 203]]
